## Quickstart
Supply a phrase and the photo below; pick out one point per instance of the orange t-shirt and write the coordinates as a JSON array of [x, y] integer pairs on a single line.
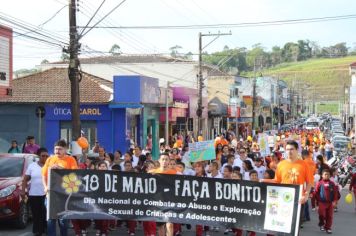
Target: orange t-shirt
[[67, 162], [296, 172], [166, 172], [311, 166], [222, 142]]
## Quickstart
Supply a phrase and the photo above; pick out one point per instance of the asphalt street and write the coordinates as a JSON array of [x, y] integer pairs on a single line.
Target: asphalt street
[[344, 225]]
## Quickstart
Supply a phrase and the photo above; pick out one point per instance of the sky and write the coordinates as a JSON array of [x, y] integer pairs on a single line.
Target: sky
[[29, 53]]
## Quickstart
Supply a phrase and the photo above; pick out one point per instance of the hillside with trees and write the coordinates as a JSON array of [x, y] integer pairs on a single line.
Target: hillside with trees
[[320, 72]]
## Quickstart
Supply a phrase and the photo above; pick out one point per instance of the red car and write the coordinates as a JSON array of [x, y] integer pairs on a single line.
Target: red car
[[12, 171]]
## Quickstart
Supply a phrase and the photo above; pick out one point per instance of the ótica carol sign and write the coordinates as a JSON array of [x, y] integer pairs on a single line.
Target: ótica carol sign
[[95, 194], [87, 112]]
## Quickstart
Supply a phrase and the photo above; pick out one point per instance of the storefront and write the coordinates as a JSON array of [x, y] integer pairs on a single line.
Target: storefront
[[136, 110], [96, 124]]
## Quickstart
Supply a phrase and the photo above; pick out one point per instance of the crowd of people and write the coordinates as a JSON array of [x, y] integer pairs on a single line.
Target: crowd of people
[[235, 158]]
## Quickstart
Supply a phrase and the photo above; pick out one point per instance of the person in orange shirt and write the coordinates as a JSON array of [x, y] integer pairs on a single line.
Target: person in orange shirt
[[307, 157], [58, 161], [164, 228], [221, 141], [295, 171]]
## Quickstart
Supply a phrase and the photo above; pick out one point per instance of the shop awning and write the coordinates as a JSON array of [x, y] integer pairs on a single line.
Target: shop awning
[[126, 105]]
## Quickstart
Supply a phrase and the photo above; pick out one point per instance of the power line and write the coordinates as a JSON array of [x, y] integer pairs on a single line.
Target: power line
[[97, 10], [14, 22], [236, 25], [94, 26], [39, 39], [23, 24], [45, 22], [129, 41]]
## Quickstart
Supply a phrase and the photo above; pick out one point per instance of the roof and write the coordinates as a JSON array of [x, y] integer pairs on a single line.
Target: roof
[[149, 58], [53, 86], [142, 59]]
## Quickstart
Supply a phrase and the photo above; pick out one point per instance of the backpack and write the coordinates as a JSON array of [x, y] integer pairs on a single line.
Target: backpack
[[331, 192]]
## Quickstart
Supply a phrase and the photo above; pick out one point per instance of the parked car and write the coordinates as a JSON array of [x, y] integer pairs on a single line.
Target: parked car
[[341, 145], [14, 207]]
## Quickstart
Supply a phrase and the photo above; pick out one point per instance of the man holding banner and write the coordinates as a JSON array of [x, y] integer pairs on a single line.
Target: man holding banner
[[59, 161], [292, 170], [164, 169]]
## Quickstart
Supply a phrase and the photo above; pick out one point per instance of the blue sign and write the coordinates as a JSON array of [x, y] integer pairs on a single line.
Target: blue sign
[[135, 89], [87, 112]]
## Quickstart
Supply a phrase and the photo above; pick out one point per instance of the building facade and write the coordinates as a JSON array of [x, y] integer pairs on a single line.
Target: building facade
[[5, 61]]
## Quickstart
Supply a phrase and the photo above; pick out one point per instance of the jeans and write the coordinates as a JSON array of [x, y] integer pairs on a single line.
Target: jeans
[[329, 154], [306, 211], [63, 227], [51, 225]]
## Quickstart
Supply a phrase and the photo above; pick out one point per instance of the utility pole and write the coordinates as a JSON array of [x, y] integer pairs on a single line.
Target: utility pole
[[200, 85], [279, 104], [200, 76], [73, 72], [167, 111], [254, 98]]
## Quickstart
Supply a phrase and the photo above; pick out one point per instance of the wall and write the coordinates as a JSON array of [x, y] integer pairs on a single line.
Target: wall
[[190, 96], [95, 112], [16, 123], [219, 87], [5, 60]]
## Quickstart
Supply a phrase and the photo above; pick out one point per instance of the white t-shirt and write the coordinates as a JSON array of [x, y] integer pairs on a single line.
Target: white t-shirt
[[36, 185], [238, 162], [246, 175], [260, 171], [328, 147], [135, 160], [315, 154], [222, 168], [189, 171], [218, 176]]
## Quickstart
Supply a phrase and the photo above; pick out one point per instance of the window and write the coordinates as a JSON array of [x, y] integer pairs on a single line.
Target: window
[[88, 129], [234, 92], [11, 167]]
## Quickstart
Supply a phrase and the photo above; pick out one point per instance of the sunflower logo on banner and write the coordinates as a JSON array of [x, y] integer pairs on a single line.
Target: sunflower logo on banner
[[70, 184]]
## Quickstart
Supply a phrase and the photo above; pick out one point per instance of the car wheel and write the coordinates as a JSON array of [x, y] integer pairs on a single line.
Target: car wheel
[[22, 219]]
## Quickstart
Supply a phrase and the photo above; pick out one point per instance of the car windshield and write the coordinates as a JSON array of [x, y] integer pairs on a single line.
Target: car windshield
[[11, 167], [312, 124], [340, 145]]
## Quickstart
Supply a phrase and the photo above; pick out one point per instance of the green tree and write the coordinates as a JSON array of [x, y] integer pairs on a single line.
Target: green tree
[[188, 56], [115, 50], [174, 51], [276, 55], [290, 52], [305, 50], [65, 57], [316, 49], [257, 57], [44, 61], [337, 50], [340, 49], [228, 60]]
